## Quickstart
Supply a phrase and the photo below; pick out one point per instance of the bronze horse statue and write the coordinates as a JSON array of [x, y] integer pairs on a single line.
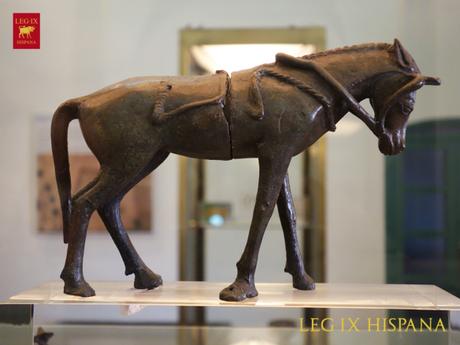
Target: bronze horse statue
[[271, 112]]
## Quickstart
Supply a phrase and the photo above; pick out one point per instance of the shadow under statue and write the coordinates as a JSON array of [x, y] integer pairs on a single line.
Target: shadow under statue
[[271, 112]]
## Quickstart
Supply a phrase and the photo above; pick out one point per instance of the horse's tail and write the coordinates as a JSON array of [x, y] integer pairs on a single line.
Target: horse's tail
[[66, 112]]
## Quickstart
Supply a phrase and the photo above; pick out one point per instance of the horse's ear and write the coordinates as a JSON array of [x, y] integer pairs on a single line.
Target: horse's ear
[[402, 55], [431, 81]]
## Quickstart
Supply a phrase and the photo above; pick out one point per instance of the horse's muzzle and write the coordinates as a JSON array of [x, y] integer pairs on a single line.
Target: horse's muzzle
[[392, 143]]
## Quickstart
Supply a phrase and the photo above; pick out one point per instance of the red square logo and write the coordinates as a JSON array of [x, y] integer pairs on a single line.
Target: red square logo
[[26, 30]]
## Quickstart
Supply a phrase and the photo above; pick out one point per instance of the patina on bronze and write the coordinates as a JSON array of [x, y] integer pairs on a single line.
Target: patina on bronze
[[270, 112]]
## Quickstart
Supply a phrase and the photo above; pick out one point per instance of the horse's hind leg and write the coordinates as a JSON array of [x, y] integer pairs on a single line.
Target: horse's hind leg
[[106, 188], [83, 205], [110, 214], [82, 208], [86, 188], [294, 261], [145, 278]]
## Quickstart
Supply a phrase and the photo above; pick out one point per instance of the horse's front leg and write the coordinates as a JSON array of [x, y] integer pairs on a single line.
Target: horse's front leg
[[294, 261], [272, 170]]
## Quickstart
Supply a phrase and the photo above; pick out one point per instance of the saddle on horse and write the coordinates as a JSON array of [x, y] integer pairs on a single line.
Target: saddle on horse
[[183, 94]]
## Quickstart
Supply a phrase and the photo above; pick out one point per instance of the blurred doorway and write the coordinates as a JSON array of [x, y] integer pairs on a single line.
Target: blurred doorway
[[217, 197]]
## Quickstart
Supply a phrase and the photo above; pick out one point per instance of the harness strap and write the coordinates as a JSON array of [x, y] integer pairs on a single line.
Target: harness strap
[[306, 88], [353, 104], [416, 83]]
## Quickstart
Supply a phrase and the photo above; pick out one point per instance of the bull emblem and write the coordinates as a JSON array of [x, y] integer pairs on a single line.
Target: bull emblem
[[26, 31]]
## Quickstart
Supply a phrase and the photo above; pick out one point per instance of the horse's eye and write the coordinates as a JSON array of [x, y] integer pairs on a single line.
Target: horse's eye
[[405, 108]]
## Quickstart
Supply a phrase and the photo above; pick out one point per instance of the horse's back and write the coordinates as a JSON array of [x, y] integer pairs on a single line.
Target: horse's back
[[137, 110], [151, 85]]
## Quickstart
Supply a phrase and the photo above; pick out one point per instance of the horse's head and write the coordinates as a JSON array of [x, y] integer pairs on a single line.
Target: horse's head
[[393, 99]]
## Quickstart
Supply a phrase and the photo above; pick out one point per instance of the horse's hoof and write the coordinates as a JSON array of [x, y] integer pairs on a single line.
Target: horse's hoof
[[146, 279], [238, 291], [305, 282], [82, 289]]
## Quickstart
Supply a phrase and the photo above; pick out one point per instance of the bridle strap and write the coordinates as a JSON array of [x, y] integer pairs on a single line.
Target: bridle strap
[[416, 83], [352, 103]]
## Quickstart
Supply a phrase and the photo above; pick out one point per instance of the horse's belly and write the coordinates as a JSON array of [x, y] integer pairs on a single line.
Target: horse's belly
[[202, 133]]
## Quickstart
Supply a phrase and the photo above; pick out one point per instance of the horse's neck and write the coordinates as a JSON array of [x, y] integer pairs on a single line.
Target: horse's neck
[[357, 70]]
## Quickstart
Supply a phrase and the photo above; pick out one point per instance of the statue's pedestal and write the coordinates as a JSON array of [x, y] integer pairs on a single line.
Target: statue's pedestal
[[16, 314], [206, 294]]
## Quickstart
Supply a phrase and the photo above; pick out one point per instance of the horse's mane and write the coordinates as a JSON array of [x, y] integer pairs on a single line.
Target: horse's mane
[[348, 49]]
